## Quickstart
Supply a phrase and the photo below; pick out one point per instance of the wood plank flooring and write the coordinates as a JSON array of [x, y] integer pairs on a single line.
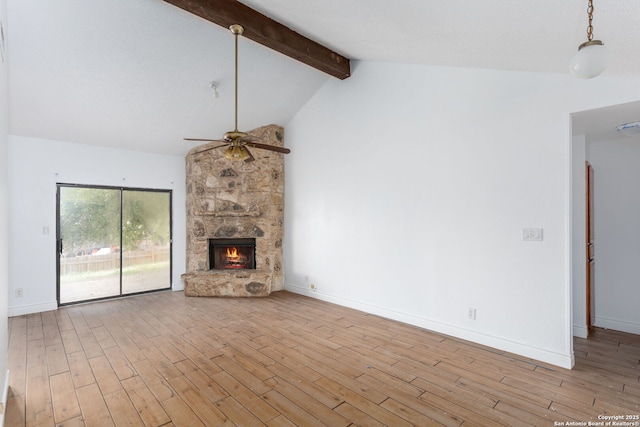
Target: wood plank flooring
[[287, 360]]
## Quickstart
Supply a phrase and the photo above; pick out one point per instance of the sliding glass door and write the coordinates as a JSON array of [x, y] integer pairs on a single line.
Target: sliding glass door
[[146, 237], [112, 242]]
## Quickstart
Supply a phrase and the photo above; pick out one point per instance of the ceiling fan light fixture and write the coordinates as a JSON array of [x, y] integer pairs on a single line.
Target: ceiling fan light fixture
[[235, 140], [592, 57], [629, 129], [236, 152]]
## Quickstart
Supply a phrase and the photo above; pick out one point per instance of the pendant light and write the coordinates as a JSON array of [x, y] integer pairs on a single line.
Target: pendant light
[[592, 57]]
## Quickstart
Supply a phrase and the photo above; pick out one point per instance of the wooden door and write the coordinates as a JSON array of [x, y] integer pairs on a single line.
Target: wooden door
[[590, 262]]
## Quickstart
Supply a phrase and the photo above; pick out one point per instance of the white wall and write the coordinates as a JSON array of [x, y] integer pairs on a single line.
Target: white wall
[[35, 166], [4, 240], [431, 173], [616, 233]]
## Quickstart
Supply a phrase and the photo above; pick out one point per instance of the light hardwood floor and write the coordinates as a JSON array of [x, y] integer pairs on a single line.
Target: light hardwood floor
[[162, 359]]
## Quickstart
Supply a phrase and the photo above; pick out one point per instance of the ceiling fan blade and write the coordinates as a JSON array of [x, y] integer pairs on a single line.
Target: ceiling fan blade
[[209, 149], [269, 147], [203, 140], [250, 158]]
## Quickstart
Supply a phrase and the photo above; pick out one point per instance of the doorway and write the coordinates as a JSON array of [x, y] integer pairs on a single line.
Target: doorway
[[604, 296], [112, 242]]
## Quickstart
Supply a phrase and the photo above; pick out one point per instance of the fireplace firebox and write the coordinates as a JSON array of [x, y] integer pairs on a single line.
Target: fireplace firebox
[[232, 254]]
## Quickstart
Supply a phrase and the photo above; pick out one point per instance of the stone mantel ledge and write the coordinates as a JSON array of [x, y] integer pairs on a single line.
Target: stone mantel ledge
[[230, 214], [227, 283]]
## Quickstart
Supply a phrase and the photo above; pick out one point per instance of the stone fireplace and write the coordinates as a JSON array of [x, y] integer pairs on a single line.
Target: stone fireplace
[[235, 218]]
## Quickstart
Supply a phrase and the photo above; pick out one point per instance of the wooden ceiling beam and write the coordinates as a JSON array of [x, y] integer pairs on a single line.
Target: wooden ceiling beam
[[266, 31]]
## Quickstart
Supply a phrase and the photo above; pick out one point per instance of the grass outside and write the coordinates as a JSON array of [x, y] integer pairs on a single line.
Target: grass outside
[[106, 283], [127, 271]]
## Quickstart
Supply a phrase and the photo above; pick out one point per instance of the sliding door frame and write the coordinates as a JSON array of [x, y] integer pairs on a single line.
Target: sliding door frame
[[60, 243]]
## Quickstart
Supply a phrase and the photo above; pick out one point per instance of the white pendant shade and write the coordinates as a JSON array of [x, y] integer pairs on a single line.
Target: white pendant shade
[[591, 60]]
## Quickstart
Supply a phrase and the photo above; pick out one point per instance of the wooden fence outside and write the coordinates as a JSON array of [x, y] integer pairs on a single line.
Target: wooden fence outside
[[87, 263]]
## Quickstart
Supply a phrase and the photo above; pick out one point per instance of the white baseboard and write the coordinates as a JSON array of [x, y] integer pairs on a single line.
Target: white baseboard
[[580, 331], [617, 325], [3, 402], [558, 359], [33, 308]]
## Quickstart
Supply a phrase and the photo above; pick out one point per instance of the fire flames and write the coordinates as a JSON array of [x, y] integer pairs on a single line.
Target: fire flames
[[235, 258], [233, 254]]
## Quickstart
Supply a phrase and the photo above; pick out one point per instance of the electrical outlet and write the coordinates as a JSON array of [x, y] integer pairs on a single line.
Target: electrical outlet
[[19, 293], [471, 313]]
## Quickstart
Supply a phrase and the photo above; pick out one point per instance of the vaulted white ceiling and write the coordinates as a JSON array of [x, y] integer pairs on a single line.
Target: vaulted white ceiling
[[136, 73]]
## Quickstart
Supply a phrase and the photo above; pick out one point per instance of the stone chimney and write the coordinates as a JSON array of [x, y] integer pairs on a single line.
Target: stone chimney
[[235, 200]]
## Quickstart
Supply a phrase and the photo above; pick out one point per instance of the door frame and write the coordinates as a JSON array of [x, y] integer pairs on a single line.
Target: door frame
[[589, 246]]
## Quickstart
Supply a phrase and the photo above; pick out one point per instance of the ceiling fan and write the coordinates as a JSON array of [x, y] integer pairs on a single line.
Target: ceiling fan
[[235, 140]]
